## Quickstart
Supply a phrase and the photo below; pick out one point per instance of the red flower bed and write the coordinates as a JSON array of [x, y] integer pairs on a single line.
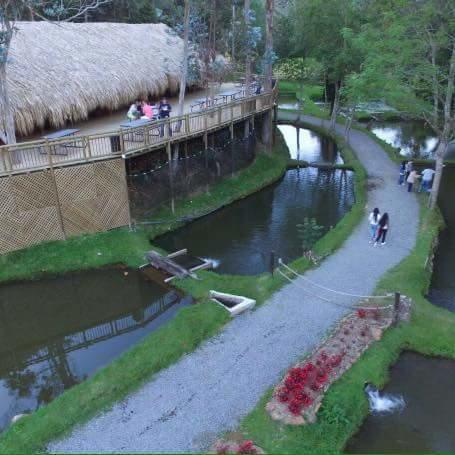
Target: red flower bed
[[300, 381], [247, 447]]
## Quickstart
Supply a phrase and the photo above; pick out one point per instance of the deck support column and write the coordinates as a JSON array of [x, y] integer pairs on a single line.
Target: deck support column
[[171, 174]]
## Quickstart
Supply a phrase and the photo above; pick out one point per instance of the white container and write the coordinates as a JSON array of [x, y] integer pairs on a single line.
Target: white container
[[237, 303]]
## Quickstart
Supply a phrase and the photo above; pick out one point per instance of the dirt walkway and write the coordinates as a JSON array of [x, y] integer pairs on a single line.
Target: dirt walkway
[[207, 392]]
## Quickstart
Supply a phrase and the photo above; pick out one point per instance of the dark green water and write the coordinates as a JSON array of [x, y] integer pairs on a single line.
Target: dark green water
[[242, 235], [426, 422], [56, 332]]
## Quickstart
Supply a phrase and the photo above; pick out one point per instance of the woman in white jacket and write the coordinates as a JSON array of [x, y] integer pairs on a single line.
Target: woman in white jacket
[[373, 219]]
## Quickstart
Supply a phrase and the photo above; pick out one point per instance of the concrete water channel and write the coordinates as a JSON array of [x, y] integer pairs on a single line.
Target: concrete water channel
[[57, 331]]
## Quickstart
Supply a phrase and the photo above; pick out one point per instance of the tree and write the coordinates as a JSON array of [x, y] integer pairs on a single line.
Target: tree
[[186, 35], [10, 12], [320, 30], [269, 55], [418, 79]]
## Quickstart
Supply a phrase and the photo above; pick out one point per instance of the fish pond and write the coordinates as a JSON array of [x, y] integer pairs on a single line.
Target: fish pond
[[425, 423], [241, 236], [56, 332]]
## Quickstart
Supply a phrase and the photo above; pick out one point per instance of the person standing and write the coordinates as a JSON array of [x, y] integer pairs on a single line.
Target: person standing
[[402, 173], [373, 219], [409, 169], [383, 228], [427, 178], [412, 179]]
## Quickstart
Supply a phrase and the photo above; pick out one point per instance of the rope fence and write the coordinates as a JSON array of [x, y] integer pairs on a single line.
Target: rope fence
[[333, 291]]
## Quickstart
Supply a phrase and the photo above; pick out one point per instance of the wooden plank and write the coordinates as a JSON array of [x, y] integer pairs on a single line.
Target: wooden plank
[[168, 265], [177, 253]]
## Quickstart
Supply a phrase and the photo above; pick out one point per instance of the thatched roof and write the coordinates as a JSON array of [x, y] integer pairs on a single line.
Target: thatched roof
[[63, 72]]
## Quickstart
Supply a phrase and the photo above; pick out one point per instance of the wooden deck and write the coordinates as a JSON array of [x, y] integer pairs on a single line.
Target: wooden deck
[[45, 154]]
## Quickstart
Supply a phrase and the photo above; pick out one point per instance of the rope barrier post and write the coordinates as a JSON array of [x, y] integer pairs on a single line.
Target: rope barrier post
[[272, 262], [396, 308]]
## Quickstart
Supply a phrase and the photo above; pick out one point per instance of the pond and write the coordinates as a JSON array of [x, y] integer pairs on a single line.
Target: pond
[[414, 138], [426, 422], [306, 145], [241, 236], [56, 332]]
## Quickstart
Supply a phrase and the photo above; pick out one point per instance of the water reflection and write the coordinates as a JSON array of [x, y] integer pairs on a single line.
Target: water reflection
[[242, 235], [414, 139], [304, 144], [54, 333], [426, 423]]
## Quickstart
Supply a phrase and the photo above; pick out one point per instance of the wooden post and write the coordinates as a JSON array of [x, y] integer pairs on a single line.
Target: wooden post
[[231, 129], [122, 142], [187, 123], [272, 262], [206, 141], [88, 147], [396, 308], [55, 188], [219, 115], [4, 161], [171, 176]]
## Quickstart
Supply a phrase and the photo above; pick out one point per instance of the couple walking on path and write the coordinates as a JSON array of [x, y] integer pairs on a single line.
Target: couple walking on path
[[379, 226]]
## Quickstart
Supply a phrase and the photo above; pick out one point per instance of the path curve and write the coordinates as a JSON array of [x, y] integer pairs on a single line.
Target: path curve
[[184, 407]]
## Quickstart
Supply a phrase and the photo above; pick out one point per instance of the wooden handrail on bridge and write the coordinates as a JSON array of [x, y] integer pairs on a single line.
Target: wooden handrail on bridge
[[127, 142]]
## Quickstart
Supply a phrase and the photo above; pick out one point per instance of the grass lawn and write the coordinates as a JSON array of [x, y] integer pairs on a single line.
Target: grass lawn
[[191, 325], [430, 332]]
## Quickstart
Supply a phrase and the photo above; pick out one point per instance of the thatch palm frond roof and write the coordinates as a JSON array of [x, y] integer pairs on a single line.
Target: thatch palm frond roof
[[60, 73]]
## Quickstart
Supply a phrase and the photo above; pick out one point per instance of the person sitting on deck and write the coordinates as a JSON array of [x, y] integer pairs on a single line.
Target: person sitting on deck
[[147, 111], [165, 108], [133, 112], [155, 110]]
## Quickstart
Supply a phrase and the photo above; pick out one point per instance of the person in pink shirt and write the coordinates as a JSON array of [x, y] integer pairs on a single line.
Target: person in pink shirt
[[147, 110]]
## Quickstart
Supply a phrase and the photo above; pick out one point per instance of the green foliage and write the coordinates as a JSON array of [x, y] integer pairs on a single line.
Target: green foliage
[[333, 415], [309, 232], [297, 69], [182, 335]]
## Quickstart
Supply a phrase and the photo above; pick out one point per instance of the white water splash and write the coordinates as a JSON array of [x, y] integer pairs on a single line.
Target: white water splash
[[384, 403], [215, 262]]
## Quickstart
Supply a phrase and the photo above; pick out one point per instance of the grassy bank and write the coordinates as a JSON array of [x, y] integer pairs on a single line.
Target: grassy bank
[[184, 333], [121, 245], [430, 332]]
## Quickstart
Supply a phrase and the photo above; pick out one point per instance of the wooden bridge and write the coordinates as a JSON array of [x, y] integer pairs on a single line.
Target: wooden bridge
[[55, 189], [126, 142]]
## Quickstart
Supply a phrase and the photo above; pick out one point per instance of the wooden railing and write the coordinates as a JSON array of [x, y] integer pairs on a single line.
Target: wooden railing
[[45, 154]]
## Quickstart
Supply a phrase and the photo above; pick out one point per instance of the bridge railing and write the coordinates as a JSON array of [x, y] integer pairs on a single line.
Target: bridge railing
[[45, 154]]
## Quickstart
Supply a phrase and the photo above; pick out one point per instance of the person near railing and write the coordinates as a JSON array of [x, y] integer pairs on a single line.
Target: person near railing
[[165, 108], [134, 111], [165, 112]]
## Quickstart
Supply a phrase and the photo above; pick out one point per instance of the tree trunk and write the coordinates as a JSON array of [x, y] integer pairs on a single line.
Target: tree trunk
[[440, 153], [246, 16], [233, 36], [349, 121], [336, 102], [435, 82], [183, 78], [269, 45], [446, 131], [7, 129]]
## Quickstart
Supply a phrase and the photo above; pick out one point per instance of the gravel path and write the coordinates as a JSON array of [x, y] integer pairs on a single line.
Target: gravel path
[[207, 392]]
